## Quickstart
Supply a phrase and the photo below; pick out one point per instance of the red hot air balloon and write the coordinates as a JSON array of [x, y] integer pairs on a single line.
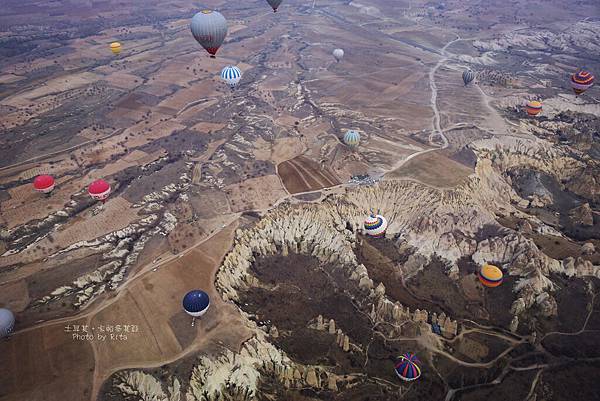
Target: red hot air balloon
[[99, 190], [43, 183]]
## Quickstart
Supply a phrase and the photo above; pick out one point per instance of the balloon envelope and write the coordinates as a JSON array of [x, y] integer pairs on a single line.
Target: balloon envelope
[[196, 303], [338, 54], [7, 322], [352, 138], [274, 4], [533, 108], [231, 75], [209, 29], [99, 190], [490, 275], [468, 76], [375, 225], [115, 47], [408, 367], [43, 183], [581, 81]]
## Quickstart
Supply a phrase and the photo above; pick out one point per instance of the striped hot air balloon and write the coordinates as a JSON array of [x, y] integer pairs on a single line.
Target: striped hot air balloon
[[352, 138], [408, 367], [533, 107], [468, 76], [209, 29], [115, 47], [490, 275], [43, 183], [196, 303], [274, 4], [375, 225], [231, 75], [99, 190], [581, 81]]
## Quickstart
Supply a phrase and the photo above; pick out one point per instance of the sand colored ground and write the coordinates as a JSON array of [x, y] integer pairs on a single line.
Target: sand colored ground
[[302, 174], [116, 214], [254, 193], [46, 364], [25, 204], [433, 169]]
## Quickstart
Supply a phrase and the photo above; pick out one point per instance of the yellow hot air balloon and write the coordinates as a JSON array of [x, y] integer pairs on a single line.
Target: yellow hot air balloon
[[115, 47]]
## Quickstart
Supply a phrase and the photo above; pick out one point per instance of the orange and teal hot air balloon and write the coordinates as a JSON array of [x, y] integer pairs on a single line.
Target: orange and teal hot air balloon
[[490, 275], [581, 81], [533, 108]]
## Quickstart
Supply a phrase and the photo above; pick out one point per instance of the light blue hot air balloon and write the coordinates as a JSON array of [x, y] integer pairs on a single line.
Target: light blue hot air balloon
[[231, 75], [352, 138], [7, 322]]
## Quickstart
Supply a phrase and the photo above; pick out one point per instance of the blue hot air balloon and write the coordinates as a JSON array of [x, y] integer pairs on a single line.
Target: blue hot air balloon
[[408, 367], [231, 75], [196, 303]]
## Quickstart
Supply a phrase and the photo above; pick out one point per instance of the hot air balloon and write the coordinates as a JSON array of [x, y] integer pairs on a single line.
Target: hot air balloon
[[533, 108], [43, 183], [408, 367], [352, 138], [7, 322], [581, 81], [338, 54], [196, 303], [99, 190], [490, 275], [209, 29], [468, 76], [115, 47], [275, 4], [375, 225], [231, 75]]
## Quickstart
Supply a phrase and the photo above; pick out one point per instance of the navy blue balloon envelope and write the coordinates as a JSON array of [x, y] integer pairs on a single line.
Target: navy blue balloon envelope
[[196, 303]]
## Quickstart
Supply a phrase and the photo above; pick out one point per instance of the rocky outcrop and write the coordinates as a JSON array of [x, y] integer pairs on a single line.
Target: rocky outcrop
[[582, 215]]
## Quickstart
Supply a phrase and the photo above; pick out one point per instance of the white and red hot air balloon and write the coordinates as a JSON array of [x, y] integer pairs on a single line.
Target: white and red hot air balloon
[[99, 190], [43, 183]]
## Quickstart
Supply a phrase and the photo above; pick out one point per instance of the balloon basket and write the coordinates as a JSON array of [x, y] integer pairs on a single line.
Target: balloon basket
[[193, 321]]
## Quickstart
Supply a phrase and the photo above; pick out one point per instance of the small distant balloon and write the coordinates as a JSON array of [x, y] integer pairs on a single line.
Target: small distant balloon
[[99, 190], [209, 29], [468, 76], [274, 4], [231, 75], [7, 322], [533, 108], [115, 47], [581, 81], [43, 183], [338, 54], [196, 303]]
